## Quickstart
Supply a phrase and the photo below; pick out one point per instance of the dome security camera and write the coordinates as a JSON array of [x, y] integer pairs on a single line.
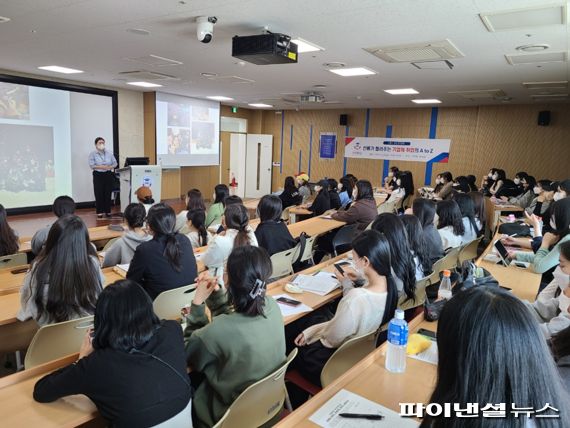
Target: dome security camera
[[205, 29]]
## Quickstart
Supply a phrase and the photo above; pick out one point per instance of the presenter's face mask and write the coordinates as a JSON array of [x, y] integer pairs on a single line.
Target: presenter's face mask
[[101, 146]]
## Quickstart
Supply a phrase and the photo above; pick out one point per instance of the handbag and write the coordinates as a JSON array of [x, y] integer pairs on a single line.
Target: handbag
[[514, 229]]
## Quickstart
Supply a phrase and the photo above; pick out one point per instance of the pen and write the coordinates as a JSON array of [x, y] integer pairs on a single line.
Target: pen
[[370, 417]]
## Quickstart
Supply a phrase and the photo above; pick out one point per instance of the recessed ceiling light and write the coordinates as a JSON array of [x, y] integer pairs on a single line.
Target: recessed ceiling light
[[319, 86], [138, 31], [144, 84], [260, 105], [208, 74], [3, 19], [58, 69], [533, 47], [305, 46], [354, 71], [427, 101], [220, 98], [405, 91]]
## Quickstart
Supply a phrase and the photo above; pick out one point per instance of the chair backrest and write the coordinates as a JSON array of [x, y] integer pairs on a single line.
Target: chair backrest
[[260, 402], [54, 341], [168, 304], [344, 236], [345, 357], [405, 202], [387, 207], [282, 263], [286, 215], [420, 294], [12, 260], [469, 251], [449, 261], [109, 243], [309, 249]]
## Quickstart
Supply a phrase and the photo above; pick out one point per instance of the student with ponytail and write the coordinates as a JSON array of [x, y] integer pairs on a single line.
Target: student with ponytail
[[196, 225], [165, 262], [237, 233], [243, 343]]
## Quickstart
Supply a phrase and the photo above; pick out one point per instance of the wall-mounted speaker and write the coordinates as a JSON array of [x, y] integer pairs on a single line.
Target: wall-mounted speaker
[[343, 120], [544, 118]]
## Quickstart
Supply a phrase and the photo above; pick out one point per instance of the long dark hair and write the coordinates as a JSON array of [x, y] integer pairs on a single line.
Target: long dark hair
[[417, 241], [124, 319], [346, 186], [450, 215], [324, 192], [270, 208], [467, 208], [471, 180], [222, 192], [249, 269], [406, 182], [561, 214], [364, 190], [195, 200], [63, 205], [561, 341], [161, 220], [237, 218], [68, 264], [375, 247], [9, 242], [491, 350], [424, 210], [462, 184], [198, 219], [135, 214], [289, 185], [402, 259]]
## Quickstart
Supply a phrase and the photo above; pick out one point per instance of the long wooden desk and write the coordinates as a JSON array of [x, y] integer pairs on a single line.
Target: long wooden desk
[[97, 235], [295, 211], [493, 213]]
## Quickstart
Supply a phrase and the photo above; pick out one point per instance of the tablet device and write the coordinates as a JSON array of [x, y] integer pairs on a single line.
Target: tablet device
[[503, 253]]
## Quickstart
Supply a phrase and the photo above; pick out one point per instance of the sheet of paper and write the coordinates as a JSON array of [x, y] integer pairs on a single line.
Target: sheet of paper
[[347, 402], [124, 267], [287, 310], [321, 283], [198, 255], [429, 355]]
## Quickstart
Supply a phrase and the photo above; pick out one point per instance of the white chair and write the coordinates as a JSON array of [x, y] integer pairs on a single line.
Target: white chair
[[387, 207], [309, 250], [168, 304], [282, 263]]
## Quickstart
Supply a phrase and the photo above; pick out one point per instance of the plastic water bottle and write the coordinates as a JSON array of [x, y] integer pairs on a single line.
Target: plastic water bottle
[[445, 286], [397, 342]]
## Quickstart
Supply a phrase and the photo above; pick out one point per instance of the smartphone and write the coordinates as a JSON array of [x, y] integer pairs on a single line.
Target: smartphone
[[338, 267], [287, 301], [506, 288], [427, 333], [503, 253], [520, 265]]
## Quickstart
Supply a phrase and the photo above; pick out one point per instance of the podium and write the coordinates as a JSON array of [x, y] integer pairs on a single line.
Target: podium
[[135, 176]]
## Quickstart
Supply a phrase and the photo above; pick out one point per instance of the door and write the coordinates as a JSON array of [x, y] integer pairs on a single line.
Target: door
[[258, 165], [235, 173]]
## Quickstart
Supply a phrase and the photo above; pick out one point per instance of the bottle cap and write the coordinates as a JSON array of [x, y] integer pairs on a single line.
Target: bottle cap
[[399, 314], [447, 273]]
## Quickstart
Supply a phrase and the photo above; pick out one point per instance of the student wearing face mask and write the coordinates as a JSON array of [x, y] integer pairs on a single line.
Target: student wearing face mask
[[553, 303], [527, 196], [487, 181], [102, 162], [544, 195], [322, 202], [345, 191], [499, 177], [512, 188], [398, 192], [563, 190], [391, 178], [446, 189], [363, 210]]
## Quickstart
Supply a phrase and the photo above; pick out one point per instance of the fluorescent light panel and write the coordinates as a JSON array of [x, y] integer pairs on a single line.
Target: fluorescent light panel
[[427, 101], [58, 69], [305, 46], [144, 84], [405, 91], [219, 98], [354, 71], [260, 105]]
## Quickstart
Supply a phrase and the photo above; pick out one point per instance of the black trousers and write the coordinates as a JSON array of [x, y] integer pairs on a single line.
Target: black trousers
[[103, 183]]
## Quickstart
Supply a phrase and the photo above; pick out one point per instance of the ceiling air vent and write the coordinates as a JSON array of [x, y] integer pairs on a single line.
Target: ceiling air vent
[[536, 86], [417, 52], [230, 79], [518, 59], [143, 75], [482, 94], [524, 18], [155, 60]]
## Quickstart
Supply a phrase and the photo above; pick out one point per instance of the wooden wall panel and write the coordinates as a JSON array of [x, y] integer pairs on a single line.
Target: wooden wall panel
[[170, 188]]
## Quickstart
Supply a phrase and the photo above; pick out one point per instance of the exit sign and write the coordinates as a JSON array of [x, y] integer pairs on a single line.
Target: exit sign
[[234, 109]]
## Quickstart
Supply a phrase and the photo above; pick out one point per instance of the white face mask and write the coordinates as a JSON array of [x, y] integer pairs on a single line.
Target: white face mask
[[339, 187], [358, 268], [399, 182], [561, 278], [490, 175], [213, 196], [495, 176], [354, 194], [517, 181], [390, 174], [564, 304], [558, 196], [537, 190], [438, 181], [100, 147]]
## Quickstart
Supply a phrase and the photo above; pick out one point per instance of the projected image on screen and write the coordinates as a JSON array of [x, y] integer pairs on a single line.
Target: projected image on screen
[[14, 101], [187, 131]]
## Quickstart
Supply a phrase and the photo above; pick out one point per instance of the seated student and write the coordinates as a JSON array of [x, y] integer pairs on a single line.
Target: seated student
[[544, 195], [450, 224], [563, 190], [548, 254], [322, 202], [403, 264], [333, 194], [216, 210], [65, 279], [512, 188], [345, 191], [194, 201], [446, 190], [525, 198], [131, 365], [245, 340], [61, 205], [196, 226], [362, 310], [304, 190], [9, 241], [396, 191], [550, 307], [490, 350], [290, 195], [461, 185], [417, 243], [438, 184], [144, 196], [471, 224], [363, 210], [167, 260], [487, 181], [230, 200], [499, 177], [560, 344], [471, 181], [237, 233], [390, 179], [424, 210], [271, 233], [123, 249]]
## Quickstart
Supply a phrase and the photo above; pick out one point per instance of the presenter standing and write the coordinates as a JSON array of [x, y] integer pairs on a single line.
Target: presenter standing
[[102, 162]]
